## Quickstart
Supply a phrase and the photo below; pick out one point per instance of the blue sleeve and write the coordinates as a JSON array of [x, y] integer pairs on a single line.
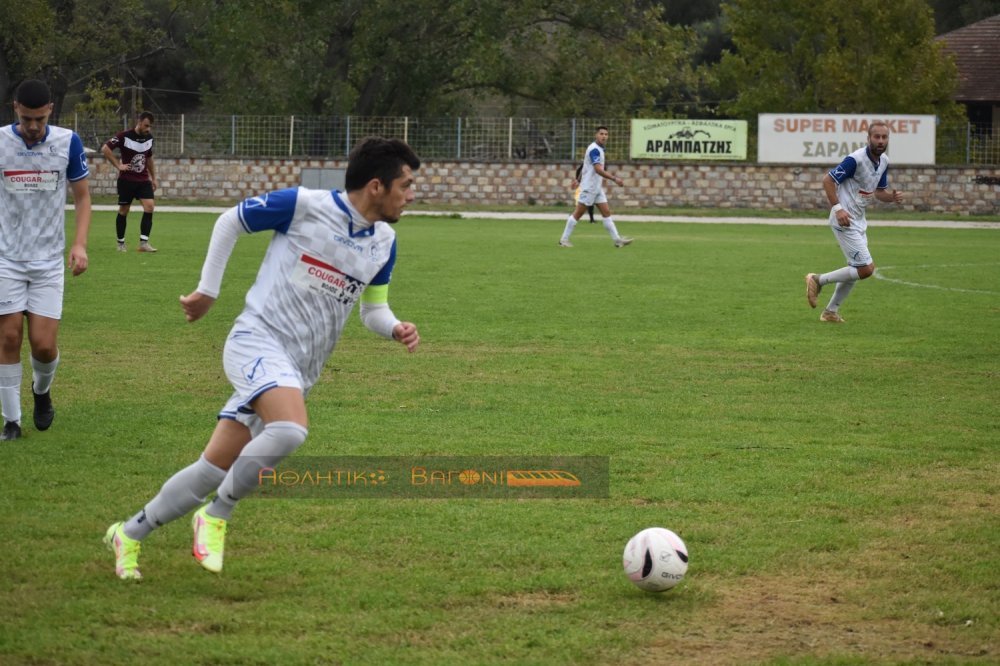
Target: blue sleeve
[[595, 156], [77, 167], [272, 210], [883, 182], [384, 275], [844, 170]]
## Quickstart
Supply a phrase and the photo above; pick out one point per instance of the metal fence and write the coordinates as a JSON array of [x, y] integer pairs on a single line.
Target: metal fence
[[472, 138]]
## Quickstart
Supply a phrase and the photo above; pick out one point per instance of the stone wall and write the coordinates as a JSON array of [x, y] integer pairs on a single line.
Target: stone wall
[[964, 190]]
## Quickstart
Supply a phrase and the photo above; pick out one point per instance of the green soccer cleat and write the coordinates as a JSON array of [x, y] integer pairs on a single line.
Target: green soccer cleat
[[126, 552], [209, 539]]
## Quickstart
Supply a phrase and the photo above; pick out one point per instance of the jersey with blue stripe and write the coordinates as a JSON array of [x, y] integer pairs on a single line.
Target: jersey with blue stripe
[[33, 191], [857, 179], [321, 258], [590, 180]]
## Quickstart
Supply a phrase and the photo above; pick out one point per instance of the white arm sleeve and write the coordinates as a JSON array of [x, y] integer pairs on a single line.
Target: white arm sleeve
[[378, 318], [227, 230]]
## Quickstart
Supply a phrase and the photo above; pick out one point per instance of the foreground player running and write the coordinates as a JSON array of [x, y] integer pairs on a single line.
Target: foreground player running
[[329, 249], [850, 187]]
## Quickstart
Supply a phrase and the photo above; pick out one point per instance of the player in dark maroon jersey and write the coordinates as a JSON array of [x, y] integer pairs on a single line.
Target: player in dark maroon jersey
[[136, 176]]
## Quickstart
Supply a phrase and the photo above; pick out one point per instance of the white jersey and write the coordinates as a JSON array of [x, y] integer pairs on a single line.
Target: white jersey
[[322, 256], [857, 179], [33, 191], [590, 180]]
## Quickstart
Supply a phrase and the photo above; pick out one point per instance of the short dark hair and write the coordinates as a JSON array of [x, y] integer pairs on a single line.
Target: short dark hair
[[376, 157], [601, 127], [146, 114], [33, 94]]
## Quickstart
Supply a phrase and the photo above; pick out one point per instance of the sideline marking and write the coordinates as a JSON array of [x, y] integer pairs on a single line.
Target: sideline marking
[[880, 276]]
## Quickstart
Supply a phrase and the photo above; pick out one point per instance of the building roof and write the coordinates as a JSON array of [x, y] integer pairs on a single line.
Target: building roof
[[976, 49]]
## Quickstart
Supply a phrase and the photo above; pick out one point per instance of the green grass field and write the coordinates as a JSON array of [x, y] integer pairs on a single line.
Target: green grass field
[[836, 484]]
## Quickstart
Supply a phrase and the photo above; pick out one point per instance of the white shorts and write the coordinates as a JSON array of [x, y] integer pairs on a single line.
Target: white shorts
[[593, 197], [854, 245], [32, 286], [254, 363]]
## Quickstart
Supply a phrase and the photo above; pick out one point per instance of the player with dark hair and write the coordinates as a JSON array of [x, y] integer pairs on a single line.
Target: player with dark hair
[[328, 250], [136, 177], [592, 175], [37, 162]]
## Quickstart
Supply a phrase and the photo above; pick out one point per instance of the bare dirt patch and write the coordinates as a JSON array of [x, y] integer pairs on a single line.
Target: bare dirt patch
[[771, 617]]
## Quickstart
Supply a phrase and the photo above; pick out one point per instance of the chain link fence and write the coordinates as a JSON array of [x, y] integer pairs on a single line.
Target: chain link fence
[[472, 138]]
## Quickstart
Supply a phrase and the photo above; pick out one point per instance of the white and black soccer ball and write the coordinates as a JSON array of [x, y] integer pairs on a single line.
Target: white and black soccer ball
[[655, 559]]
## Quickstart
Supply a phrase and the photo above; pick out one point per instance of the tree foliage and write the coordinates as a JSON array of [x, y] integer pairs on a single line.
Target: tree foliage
[[418, 57], [71, 44], [551, 57], [866, 56]]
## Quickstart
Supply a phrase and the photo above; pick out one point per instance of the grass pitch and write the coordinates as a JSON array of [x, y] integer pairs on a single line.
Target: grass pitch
[[836, 484]]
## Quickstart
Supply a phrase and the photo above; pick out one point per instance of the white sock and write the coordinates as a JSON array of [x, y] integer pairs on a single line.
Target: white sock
[[278, 441], [181, 493], [609, 224], [570, 224], [10, 392], [842, 291], [42, 374], [845, 274]]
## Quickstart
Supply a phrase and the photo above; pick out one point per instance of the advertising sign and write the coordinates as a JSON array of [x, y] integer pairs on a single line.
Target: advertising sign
[[688, 139], [819, 138]]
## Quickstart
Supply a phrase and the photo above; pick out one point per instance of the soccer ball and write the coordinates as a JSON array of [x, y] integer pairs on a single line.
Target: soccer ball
[[655, 559]]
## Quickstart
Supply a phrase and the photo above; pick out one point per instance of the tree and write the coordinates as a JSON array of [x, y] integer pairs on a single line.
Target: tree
[[420, 57], [23, 43], [829, 56], [71, 44]]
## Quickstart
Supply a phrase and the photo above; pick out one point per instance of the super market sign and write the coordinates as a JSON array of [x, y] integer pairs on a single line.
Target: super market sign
[[819, 138]]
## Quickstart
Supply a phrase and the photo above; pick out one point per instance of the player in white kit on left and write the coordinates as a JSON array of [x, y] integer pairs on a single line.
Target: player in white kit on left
[[329, 250], [38, 162]]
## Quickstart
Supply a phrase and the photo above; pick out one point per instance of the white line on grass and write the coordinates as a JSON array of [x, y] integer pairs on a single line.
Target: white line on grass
[[620, 217], [879, 275]]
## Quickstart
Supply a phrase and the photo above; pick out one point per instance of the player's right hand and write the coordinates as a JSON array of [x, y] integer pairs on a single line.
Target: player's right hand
[[843, 218], [195, 305]]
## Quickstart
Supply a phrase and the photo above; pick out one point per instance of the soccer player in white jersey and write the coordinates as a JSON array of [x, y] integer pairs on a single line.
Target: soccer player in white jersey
[[849, 188], [37, 160], [328, 250], [592, 177]]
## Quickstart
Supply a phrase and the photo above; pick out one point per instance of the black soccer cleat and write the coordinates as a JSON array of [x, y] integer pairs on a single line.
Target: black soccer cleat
[[11, 430], [44, 412]]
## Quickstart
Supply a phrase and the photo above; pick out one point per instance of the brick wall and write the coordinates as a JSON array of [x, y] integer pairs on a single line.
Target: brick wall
[[965, 190]]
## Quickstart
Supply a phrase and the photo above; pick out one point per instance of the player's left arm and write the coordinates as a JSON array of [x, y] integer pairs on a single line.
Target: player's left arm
[[376, 314], [77, 174], [884, 194], [78, 260]]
